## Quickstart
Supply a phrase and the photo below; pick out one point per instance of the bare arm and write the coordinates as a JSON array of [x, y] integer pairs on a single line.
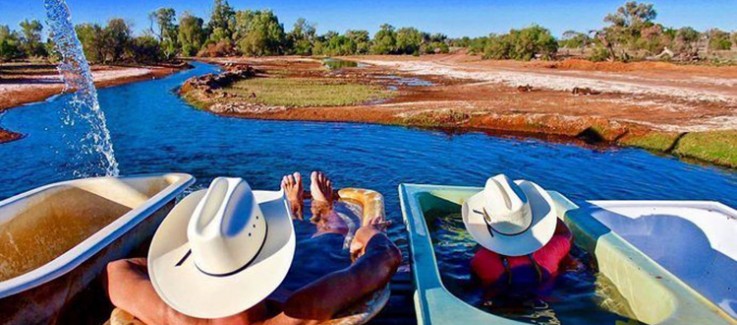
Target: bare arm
[[130, 289], [322, 299]]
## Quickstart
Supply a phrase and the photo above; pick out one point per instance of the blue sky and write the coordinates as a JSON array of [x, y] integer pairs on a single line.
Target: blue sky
[[454, 18]]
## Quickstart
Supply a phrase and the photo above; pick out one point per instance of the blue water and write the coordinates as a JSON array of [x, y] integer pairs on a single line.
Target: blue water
[[154, 131]]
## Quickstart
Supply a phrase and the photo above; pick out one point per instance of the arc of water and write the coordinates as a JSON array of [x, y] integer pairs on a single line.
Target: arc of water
[[77, 76]]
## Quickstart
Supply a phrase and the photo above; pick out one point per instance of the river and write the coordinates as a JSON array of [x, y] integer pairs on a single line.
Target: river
[[154, 131]]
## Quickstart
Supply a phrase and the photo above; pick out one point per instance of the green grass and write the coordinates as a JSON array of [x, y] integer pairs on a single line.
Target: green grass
[[656, 141], [192, 100], [302, 92], [444, 118], [718, 147]]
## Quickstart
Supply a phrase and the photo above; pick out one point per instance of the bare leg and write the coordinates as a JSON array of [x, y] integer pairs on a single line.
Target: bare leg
[[292, 186], [323, 214]]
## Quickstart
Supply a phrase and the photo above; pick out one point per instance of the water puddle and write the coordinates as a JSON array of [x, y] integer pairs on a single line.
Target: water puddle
[[398, 81], [337, 64]]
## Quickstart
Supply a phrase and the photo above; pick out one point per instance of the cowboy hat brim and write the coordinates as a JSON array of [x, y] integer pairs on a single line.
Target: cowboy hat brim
[[544, 220], [185, 288]]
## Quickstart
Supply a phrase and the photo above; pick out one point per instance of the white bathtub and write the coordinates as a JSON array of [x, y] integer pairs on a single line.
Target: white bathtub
[[695, 241], [56, 239]]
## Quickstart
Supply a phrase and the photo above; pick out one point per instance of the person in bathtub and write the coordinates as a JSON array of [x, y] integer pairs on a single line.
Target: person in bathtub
[[224, 257], [523, 243]]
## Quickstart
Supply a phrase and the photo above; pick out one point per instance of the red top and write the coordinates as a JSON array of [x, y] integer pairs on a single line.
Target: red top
[[490, 267]]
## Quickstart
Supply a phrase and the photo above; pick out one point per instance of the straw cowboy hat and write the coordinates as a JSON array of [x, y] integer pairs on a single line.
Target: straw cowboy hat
[[510, 218], [222, 251]]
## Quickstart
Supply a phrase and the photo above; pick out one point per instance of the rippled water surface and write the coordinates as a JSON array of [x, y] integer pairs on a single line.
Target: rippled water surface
[[154, 131]]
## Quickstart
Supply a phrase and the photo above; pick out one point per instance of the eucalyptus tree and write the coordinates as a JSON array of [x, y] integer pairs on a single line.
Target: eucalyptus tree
[[92, 39], [359, 40], [30, 41], [301, 38], [167, 33], [409, 40], [116, 39], [9, 44], [222, 21], [191, 34], [259, 33], [385, 40]]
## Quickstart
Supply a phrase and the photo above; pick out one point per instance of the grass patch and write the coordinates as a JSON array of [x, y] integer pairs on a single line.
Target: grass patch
[[656, 141], [719, 147], [436, 118], [303, 92], [191, 98]]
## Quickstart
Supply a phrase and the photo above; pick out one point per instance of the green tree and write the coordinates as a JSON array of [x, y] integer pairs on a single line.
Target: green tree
[[719, 40], [477, 45], [574, 40], [301, 37], [408, 41], [116, 39], [686, 40], [222, 21], [626, 25], [145, 49], [654, 38], [359, 40], [521, 44], [31, 42], [260, 33], [9, 44], [385, 40], [435, 43], [191, 35], [531, 42], [92, 38], [496, 47], [167, 30], [336, 44]]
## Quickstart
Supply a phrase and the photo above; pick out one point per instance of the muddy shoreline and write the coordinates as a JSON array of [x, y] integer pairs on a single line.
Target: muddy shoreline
[[647, 105]]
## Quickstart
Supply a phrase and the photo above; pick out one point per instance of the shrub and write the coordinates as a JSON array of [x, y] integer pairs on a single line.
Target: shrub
[[524, 44], [145, 49], [599, 54], [221, 48]]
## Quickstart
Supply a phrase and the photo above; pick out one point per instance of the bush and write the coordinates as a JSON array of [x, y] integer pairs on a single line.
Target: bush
[[145, 49], [497, 47], [719, 40], [221, 48], [599, 54], [524, 44]]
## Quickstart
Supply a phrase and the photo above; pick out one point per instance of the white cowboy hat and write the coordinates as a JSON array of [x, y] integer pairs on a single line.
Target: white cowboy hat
[[222, 251], [510, 218]]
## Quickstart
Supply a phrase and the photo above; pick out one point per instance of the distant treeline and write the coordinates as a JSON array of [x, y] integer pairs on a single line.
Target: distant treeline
[[630, 33]]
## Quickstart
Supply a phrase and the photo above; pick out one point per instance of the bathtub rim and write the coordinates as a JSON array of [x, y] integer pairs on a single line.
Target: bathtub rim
[[84, 250], [434, 303]]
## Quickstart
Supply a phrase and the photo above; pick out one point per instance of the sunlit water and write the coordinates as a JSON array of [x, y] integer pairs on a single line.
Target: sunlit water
[[86, 130], [154, 132], [579, 295]]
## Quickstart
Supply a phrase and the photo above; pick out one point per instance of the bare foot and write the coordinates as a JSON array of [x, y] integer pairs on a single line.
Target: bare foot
[[292, 186], [321, 188]]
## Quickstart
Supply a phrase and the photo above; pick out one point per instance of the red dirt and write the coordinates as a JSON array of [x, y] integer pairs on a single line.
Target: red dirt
[[13, 98], [7, 136], [660, 104], [37, 86]]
